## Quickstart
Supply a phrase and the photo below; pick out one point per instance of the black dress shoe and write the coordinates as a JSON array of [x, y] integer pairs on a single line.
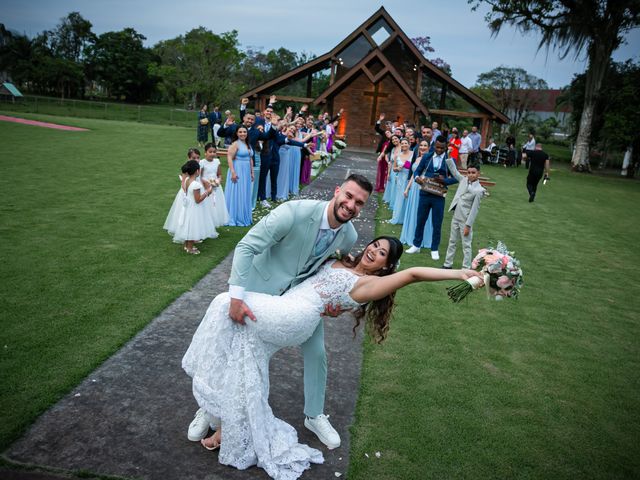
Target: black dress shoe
[[445, 267]]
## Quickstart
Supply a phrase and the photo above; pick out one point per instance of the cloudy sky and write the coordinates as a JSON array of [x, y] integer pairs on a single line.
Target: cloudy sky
[[458, 35]]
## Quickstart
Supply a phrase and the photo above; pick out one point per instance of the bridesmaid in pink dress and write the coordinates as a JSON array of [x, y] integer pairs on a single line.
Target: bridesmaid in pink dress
[[383, 164], [330, 131], [305, 172]]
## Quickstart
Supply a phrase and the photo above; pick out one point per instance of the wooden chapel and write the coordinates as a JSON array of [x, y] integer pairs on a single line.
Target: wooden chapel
[[378, 69]]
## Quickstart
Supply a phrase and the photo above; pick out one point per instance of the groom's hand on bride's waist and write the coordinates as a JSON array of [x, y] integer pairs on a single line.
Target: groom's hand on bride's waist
[[238, 310]]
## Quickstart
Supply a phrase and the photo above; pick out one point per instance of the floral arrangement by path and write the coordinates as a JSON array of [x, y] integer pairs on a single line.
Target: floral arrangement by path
[[339, 144], [502, 275]]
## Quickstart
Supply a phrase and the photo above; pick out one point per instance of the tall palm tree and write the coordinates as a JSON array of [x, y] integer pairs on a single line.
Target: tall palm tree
[[595, 26]]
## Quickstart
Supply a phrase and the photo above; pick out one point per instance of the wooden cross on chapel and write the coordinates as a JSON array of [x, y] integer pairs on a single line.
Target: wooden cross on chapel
[[374, 107]]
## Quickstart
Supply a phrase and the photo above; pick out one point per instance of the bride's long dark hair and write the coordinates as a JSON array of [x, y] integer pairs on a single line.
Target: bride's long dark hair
[[377, 314]]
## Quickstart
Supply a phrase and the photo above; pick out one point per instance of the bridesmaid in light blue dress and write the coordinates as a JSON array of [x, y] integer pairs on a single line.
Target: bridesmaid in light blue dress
[[294, 172], [239, 186], [389, 192], [403, 164], [296, 133], [412, 192], [283, 173]]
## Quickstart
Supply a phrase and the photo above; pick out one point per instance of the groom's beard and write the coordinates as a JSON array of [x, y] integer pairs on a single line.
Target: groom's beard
[[336, 210]]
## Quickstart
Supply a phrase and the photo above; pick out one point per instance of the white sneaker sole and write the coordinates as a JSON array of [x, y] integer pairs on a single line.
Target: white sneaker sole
[[196, 439], [328, 444]]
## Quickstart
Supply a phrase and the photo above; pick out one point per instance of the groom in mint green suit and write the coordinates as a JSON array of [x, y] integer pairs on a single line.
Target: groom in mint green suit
[[282, 250]]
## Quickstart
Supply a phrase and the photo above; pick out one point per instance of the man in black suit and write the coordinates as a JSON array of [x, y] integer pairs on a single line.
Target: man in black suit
[[385, 134], [273, 139]]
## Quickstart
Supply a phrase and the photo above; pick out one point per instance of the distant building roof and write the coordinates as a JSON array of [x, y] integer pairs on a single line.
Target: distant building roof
[[546, 100], [10, 89]]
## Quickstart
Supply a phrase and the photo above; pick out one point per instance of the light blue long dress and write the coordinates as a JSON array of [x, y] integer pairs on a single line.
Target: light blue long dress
[[283, 173], [399, 202], [238, 195], [295, 156], [410, 216], [390, 191], [256, 175]]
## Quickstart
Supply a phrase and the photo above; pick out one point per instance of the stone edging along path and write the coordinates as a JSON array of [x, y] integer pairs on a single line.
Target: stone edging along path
[[129, 417]]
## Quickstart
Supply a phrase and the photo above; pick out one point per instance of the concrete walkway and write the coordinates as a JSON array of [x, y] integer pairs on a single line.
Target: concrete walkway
[[129, 417]]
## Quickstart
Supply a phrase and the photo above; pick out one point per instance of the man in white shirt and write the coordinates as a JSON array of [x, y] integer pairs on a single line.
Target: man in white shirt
[[465, 149], [530, 145], [488, 152], [476, 140]]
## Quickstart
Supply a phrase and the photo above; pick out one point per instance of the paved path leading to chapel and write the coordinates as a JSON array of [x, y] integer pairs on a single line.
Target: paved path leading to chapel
[[129, 417]]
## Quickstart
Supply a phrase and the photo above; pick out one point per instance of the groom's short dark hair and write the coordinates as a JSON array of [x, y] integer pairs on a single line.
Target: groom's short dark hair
[[361, 180]]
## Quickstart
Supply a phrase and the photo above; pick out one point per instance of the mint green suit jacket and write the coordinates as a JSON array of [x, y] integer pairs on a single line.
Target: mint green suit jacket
[[271, 257]]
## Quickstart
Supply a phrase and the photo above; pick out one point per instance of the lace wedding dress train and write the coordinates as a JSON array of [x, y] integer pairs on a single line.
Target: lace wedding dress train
[[229, 365]]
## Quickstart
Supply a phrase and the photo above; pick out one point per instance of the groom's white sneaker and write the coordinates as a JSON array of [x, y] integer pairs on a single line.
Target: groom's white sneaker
[[322, 428], [199, 426]]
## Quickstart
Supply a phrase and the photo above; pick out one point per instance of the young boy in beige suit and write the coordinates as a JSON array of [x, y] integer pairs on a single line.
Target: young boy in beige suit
[[465, 206]]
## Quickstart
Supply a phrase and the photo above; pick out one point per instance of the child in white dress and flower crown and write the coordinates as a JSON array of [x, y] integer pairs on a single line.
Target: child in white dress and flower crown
[[171, 223], [195, 222], [210, 174]]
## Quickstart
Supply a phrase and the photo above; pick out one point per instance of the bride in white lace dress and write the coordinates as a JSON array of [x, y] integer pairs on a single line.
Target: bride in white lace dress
[[229, 362]]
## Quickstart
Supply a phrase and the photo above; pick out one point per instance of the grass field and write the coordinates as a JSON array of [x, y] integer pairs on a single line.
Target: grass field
[[154, 114], [85, 262], [544, 387]]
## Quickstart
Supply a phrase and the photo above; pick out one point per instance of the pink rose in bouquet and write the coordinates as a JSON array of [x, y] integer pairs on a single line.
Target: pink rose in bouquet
[[503, 281]]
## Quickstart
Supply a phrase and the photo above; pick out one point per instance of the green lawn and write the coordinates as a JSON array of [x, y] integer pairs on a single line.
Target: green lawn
[[85, 262], [126, 112], [544, 387]]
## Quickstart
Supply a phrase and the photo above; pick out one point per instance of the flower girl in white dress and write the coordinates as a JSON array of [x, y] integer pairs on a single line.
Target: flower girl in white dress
[[210, 174], [195, 222], [171, 223]]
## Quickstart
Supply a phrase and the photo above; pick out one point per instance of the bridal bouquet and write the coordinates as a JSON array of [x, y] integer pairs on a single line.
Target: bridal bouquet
[[502, 275], [340, 144]]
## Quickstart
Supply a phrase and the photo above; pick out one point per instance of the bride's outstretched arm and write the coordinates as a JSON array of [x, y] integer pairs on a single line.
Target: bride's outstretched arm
[[372, 288]]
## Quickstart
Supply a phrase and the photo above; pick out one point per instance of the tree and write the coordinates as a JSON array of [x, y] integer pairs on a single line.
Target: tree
[[71, 38], [259, 67], [16, 58], [199, 66], [513, 91], [615, 112], [120, 62], [595, 26]]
